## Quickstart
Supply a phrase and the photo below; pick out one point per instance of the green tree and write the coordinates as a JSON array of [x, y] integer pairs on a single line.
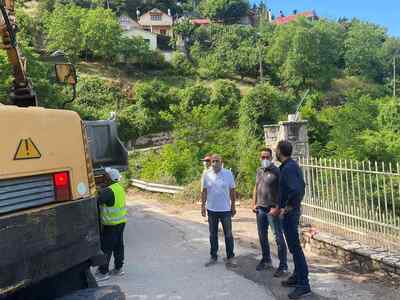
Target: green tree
[[226, 95], [228, 11], [63, 30], [97, 97], [184, 29], [306, 54], [100, 33], [362, 50], [150, 100], [263, 105], [5, 78], [182, 65], [349, 121]]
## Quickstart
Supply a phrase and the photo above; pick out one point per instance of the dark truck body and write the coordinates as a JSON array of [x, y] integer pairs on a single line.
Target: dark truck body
[[106, 149], [46, 251], [51, 239]]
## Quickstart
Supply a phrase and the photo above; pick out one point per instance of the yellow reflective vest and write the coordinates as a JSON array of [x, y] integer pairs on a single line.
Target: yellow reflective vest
[[115, 214]]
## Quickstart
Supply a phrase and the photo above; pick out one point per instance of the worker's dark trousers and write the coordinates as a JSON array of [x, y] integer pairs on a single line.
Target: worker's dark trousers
[[112, 242]]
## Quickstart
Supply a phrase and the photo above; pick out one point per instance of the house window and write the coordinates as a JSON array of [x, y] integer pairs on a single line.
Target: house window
[[155, 17], [163, 32]]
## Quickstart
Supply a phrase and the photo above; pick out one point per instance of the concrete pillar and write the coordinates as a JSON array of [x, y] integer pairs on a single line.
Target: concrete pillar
[[293, 130]]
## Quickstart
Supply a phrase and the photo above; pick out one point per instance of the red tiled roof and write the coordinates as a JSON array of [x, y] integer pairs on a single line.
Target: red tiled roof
[[200, 21], [288, 19]]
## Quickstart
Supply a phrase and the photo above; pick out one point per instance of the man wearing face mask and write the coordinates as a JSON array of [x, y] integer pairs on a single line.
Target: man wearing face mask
[[266, 203], [219, 195], [292, 190]]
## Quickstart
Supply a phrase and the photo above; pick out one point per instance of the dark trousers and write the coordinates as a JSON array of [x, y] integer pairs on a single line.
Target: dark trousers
[[112, 242], [264, 220], [225, 218], [291, 228]]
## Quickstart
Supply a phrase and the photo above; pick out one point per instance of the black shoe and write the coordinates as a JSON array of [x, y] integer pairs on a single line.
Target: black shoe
[[231, 262], [212, 261], [260, 266], [290, 282], [280, 272], [264, 265], [299, 292]]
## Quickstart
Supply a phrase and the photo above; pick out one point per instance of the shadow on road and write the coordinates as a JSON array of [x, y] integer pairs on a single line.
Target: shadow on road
[[247, 268]]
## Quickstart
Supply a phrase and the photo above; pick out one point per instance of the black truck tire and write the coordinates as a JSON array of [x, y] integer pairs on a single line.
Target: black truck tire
[[65, 283], [100, 293]]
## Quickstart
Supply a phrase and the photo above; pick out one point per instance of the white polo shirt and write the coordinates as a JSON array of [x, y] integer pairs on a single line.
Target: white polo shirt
[[218, 187]]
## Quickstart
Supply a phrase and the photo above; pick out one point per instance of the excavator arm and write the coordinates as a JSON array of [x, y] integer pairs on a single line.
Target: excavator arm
[[21, 93]]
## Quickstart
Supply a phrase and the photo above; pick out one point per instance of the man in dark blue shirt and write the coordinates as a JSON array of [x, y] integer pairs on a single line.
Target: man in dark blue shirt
[[292, 190]]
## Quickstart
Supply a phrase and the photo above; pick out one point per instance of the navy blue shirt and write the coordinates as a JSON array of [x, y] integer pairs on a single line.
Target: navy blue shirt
[[291, 184]]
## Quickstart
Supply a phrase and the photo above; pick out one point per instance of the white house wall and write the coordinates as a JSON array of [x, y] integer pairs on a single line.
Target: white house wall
[[152, 38]]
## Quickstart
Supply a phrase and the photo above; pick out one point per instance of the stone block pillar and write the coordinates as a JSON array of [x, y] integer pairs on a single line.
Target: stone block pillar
[[294, 131]]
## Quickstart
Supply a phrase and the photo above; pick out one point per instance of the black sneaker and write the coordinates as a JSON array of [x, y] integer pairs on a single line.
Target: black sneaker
[[212, 261], [280, 272], [262, 265], [290, 282], [231, 262], [299, 292]]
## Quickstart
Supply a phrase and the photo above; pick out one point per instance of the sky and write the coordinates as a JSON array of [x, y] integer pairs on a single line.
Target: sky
[[383, 12]]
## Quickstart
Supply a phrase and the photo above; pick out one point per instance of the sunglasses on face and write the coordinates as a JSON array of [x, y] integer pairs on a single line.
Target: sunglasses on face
[[215, 161], [265, 157]]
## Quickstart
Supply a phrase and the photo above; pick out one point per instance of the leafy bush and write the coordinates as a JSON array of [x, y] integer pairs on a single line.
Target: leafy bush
[[182, 66]]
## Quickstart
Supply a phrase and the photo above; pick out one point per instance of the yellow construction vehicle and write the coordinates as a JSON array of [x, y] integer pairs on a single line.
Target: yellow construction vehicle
[[49, 225]]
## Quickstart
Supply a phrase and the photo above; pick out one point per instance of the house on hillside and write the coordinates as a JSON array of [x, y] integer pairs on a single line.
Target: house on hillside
[[282, 19], [157, 21], [131, 28], [201, 22]]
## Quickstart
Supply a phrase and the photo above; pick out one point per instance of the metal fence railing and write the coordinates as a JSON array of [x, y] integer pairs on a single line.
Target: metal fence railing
[[360, 200]]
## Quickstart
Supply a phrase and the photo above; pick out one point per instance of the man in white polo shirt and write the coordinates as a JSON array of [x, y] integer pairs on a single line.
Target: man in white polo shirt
[[219, 195]]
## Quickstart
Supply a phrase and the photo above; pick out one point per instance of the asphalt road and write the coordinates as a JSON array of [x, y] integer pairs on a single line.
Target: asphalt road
[[166, 250], [165, 260]]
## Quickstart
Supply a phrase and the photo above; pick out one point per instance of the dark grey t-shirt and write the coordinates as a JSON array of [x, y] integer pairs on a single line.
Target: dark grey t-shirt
[[267, 185]]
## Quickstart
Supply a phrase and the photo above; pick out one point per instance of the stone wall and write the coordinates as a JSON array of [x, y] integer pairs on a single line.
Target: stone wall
[[353, 254]]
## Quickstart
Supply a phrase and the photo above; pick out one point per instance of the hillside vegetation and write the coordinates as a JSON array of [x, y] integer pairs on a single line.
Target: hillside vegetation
[[211, 95]]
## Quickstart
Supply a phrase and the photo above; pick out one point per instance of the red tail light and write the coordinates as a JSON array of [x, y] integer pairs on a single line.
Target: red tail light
[[62, 186]]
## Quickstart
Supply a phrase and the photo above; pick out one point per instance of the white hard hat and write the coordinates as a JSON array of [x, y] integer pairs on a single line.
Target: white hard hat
[[113, 173]]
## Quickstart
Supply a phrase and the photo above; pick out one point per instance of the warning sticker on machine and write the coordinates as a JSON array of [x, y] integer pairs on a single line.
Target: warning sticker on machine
[[27, 150]]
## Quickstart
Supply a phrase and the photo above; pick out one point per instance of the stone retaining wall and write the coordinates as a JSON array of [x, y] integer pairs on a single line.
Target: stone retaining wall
[[351, 253]]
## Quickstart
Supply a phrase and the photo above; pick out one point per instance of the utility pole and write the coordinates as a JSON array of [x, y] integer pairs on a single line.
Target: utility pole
[[260, 62], [394, 77]]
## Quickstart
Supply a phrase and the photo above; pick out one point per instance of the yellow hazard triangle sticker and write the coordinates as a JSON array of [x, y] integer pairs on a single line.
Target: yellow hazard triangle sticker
[[27, 150]]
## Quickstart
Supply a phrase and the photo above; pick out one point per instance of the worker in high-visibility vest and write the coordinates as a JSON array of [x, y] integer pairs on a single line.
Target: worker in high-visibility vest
[[113, 215]]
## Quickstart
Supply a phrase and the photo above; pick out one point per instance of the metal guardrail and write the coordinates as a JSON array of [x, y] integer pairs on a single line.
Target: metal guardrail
[[155, 187], [144, 149]]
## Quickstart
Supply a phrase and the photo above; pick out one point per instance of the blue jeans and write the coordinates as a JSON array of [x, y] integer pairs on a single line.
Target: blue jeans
[[291, 228], [264, 220], [226, 221]]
